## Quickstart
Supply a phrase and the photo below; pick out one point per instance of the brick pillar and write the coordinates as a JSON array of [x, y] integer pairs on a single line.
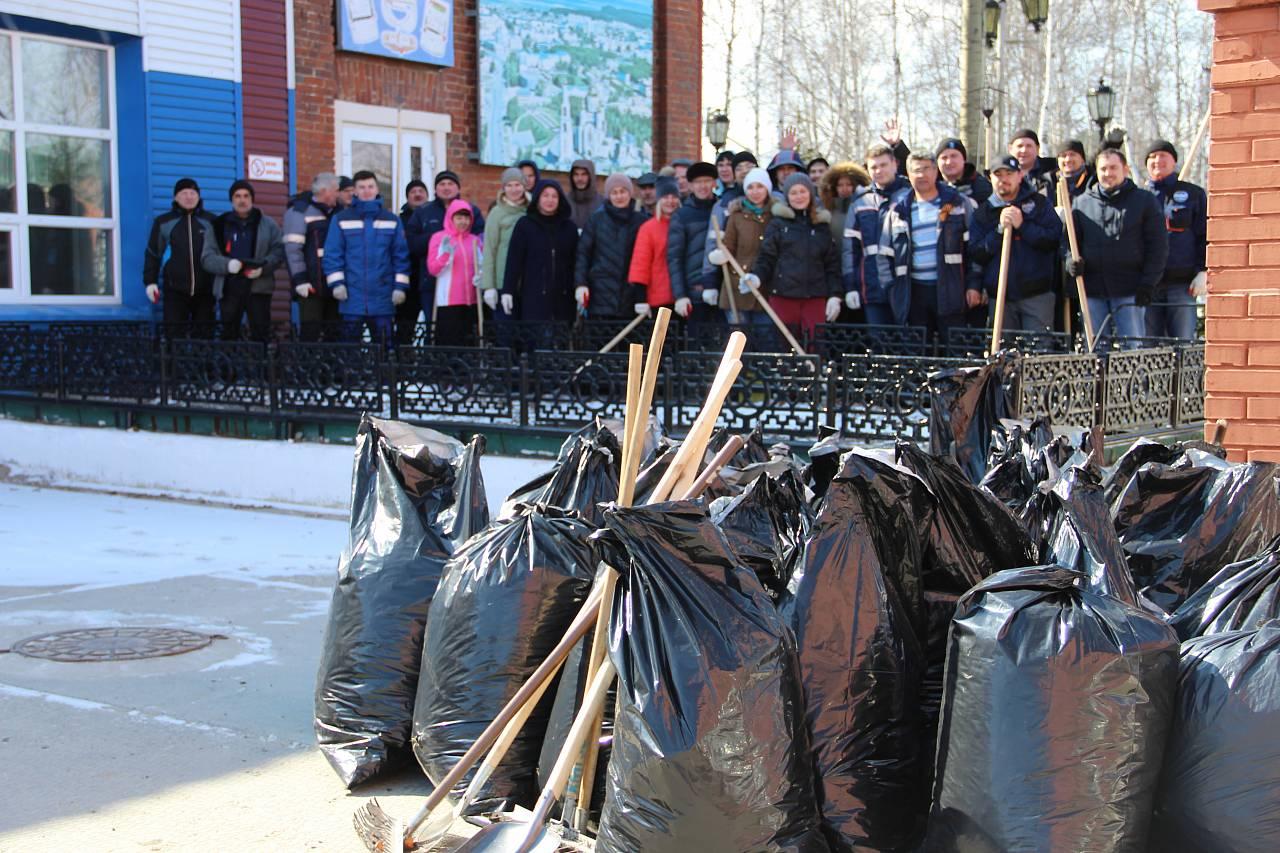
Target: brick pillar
[[1242, 329]]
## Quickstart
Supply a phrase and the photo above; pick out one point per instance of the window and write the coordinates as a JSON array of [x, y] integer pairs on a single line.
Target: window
[[58, 237]]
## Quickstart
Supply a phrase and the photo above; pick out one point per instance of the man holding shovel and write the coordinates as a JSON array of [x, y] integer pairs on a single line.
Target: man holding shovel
[[1015, 206]]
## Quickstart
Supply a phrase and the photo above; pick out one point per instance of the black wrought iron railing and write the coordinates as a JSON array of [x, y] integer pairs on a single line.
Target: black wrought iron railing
[[867, 395]]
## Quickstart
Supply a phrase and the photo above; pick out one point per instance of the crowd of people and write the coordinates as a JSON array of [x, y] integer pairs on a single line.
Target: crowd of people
[[901, 238]]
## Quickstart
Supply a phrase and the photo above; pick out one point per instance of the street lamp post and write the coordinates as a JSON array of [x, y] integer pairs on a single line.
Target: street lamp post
[[1101, 100], [991, 22], [717, 128], [1037, 12]]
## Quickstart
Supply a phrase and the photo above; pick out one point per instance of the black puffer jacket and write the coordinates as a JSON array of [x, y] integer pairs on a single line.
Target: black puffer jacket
[[1122, 239], [799, 258], [604, 258], [687, 246]]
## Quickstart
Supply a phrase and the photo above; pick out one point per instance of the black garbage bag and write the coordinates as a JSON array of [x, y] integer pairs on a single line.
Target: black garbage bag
[[766, 527], [965, 405], [941, 606], [585, 475], [1220, 784], [505, 599], [1057, 705], [710, 750], [1180, 524], [824, 461], [1241, 597], [1021, 459], [973, 535], [861, 655], [1081, 536], [413, 499]]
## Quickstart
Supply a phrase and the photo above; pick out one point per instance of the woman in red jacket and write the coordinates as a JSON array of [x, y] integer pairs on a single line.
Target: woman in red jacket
[[650, 280]]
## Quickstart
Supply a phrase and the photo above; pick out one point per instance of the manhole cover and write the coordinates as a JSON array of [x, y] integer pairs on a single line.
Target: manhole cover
[[112, 644]]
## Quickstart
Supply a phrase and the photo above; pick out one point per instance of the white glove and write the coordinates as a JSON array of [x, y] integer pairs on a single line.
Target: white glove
[[339, 293], [643, 309], [398, 297], [304, 290], [684, 307], [1199, 284], [508, 303], [853, 299], [749, 282], [711, 297], [234, 266], [833, 308], [153, 293], [718, 257], [491, 298], [446, 245], [580, 295]]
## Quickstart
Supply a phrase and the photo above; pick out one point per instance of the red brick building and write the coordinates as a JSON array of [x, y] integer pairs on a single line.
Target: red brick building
[[1242, 329], [430, 114]]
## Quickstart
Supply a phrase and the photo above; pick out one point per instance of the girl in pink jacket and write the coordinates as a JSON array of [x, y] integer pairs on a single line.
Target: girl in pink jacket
[[453, 257]]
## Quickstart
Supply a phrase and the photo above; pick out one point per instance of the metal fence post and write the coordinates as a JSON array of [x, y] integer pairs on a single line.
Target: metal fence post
[[391, 381], [523, 389]]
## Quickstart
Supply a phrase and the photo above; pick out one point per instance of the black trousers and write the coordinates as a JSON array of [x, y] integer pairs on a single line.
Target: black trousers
[[407, 316], [237, 301], [924, 312], [455, 326], [186, 314], [318, 318]]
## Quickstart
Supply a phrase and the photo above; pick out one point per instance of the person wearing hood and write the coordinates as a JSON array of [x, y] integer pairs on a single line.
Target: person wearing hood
[[1123, 245], [860, 246], [687, 246], [511, 205], [837, 188], [366, 262], [925, 254], [537, 284], [426, 222], [601, 287], [959, 173], [306, 222], [529, 173], [783, 165], [454, 257], [649, 274], [748, 218], [798, 265], [1037, 231], [1172, 312], [584, 199], [244, 259], [174, 251]]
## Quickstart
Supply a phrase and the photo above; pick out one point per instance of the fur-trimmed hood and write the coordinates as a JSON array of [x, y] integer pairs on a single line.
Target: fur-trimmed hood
[[817, 215], [845, 169]]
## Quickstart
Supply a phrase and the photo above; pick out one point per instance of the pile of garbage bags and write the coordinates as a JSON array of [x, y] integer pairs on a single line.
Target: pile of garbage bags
[[994, 644]]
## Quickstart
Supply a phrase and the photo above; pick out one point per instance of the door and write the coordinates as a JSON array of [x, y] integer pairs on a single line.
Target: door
[[396, 158]]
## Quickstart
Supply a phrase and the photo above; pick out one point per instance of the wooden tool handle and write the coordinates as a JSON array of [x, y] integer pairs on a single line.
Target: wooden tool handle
[[626, 330], [1069, 219], [997, 321]]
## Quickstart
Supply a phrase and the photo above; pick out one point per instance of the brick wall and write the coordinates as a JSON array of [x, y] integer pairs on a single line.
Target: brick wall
[[1242, 329], [324, 74]]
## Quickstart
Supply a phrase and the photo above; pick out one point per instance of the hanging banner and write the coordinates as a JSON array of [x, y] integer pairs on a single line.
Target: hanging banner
[[562, 80], [415, 30]]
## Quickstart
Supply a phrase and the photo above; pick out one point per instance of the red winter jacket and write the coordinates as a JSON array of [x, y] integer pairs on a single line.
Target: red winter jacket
[[649, 262]]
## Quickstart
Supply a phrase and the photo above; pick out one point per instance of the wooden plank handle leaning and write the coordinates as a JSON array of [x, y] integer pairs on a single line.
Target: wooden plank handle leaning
[[1069, 219], [764, 303], [1190, 155], [997, 321], [724, 273]]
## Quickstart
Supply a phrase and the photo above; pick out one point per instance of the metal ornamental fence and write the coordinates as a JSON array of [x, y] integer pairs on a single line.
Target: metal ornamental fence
[[846, 383]]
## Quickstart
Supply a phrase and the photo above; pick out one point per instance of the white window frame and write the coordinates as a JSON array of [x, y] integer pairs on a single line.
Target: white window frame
[[20, 223], [407, 127]]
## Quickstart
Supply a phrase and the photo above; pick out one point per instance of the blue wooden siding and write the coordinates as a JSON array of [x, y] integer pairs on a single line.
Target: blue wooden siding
[[193, 131]]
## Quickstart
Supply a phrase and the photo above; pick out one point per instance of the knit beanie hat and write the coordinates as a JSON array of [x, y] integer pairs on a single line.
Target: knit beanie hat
[[511, 173], [666, 187], [241, 184], [1071, 145], [1024, 133], [1161, 145], [951, 144], [744, 157], [447, 175], [802, 179], [757, 176], [617, 179], [414, 183], [185, 184]]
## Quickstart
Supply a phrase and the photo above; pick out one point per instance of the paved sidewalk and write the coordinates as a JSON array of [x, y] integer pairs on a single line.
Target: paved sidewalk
[[206, 751]]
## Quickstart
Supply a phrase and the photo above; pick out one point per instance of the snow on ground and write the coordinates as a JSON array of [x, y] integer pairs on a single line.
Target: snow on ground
[[302, 476]]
